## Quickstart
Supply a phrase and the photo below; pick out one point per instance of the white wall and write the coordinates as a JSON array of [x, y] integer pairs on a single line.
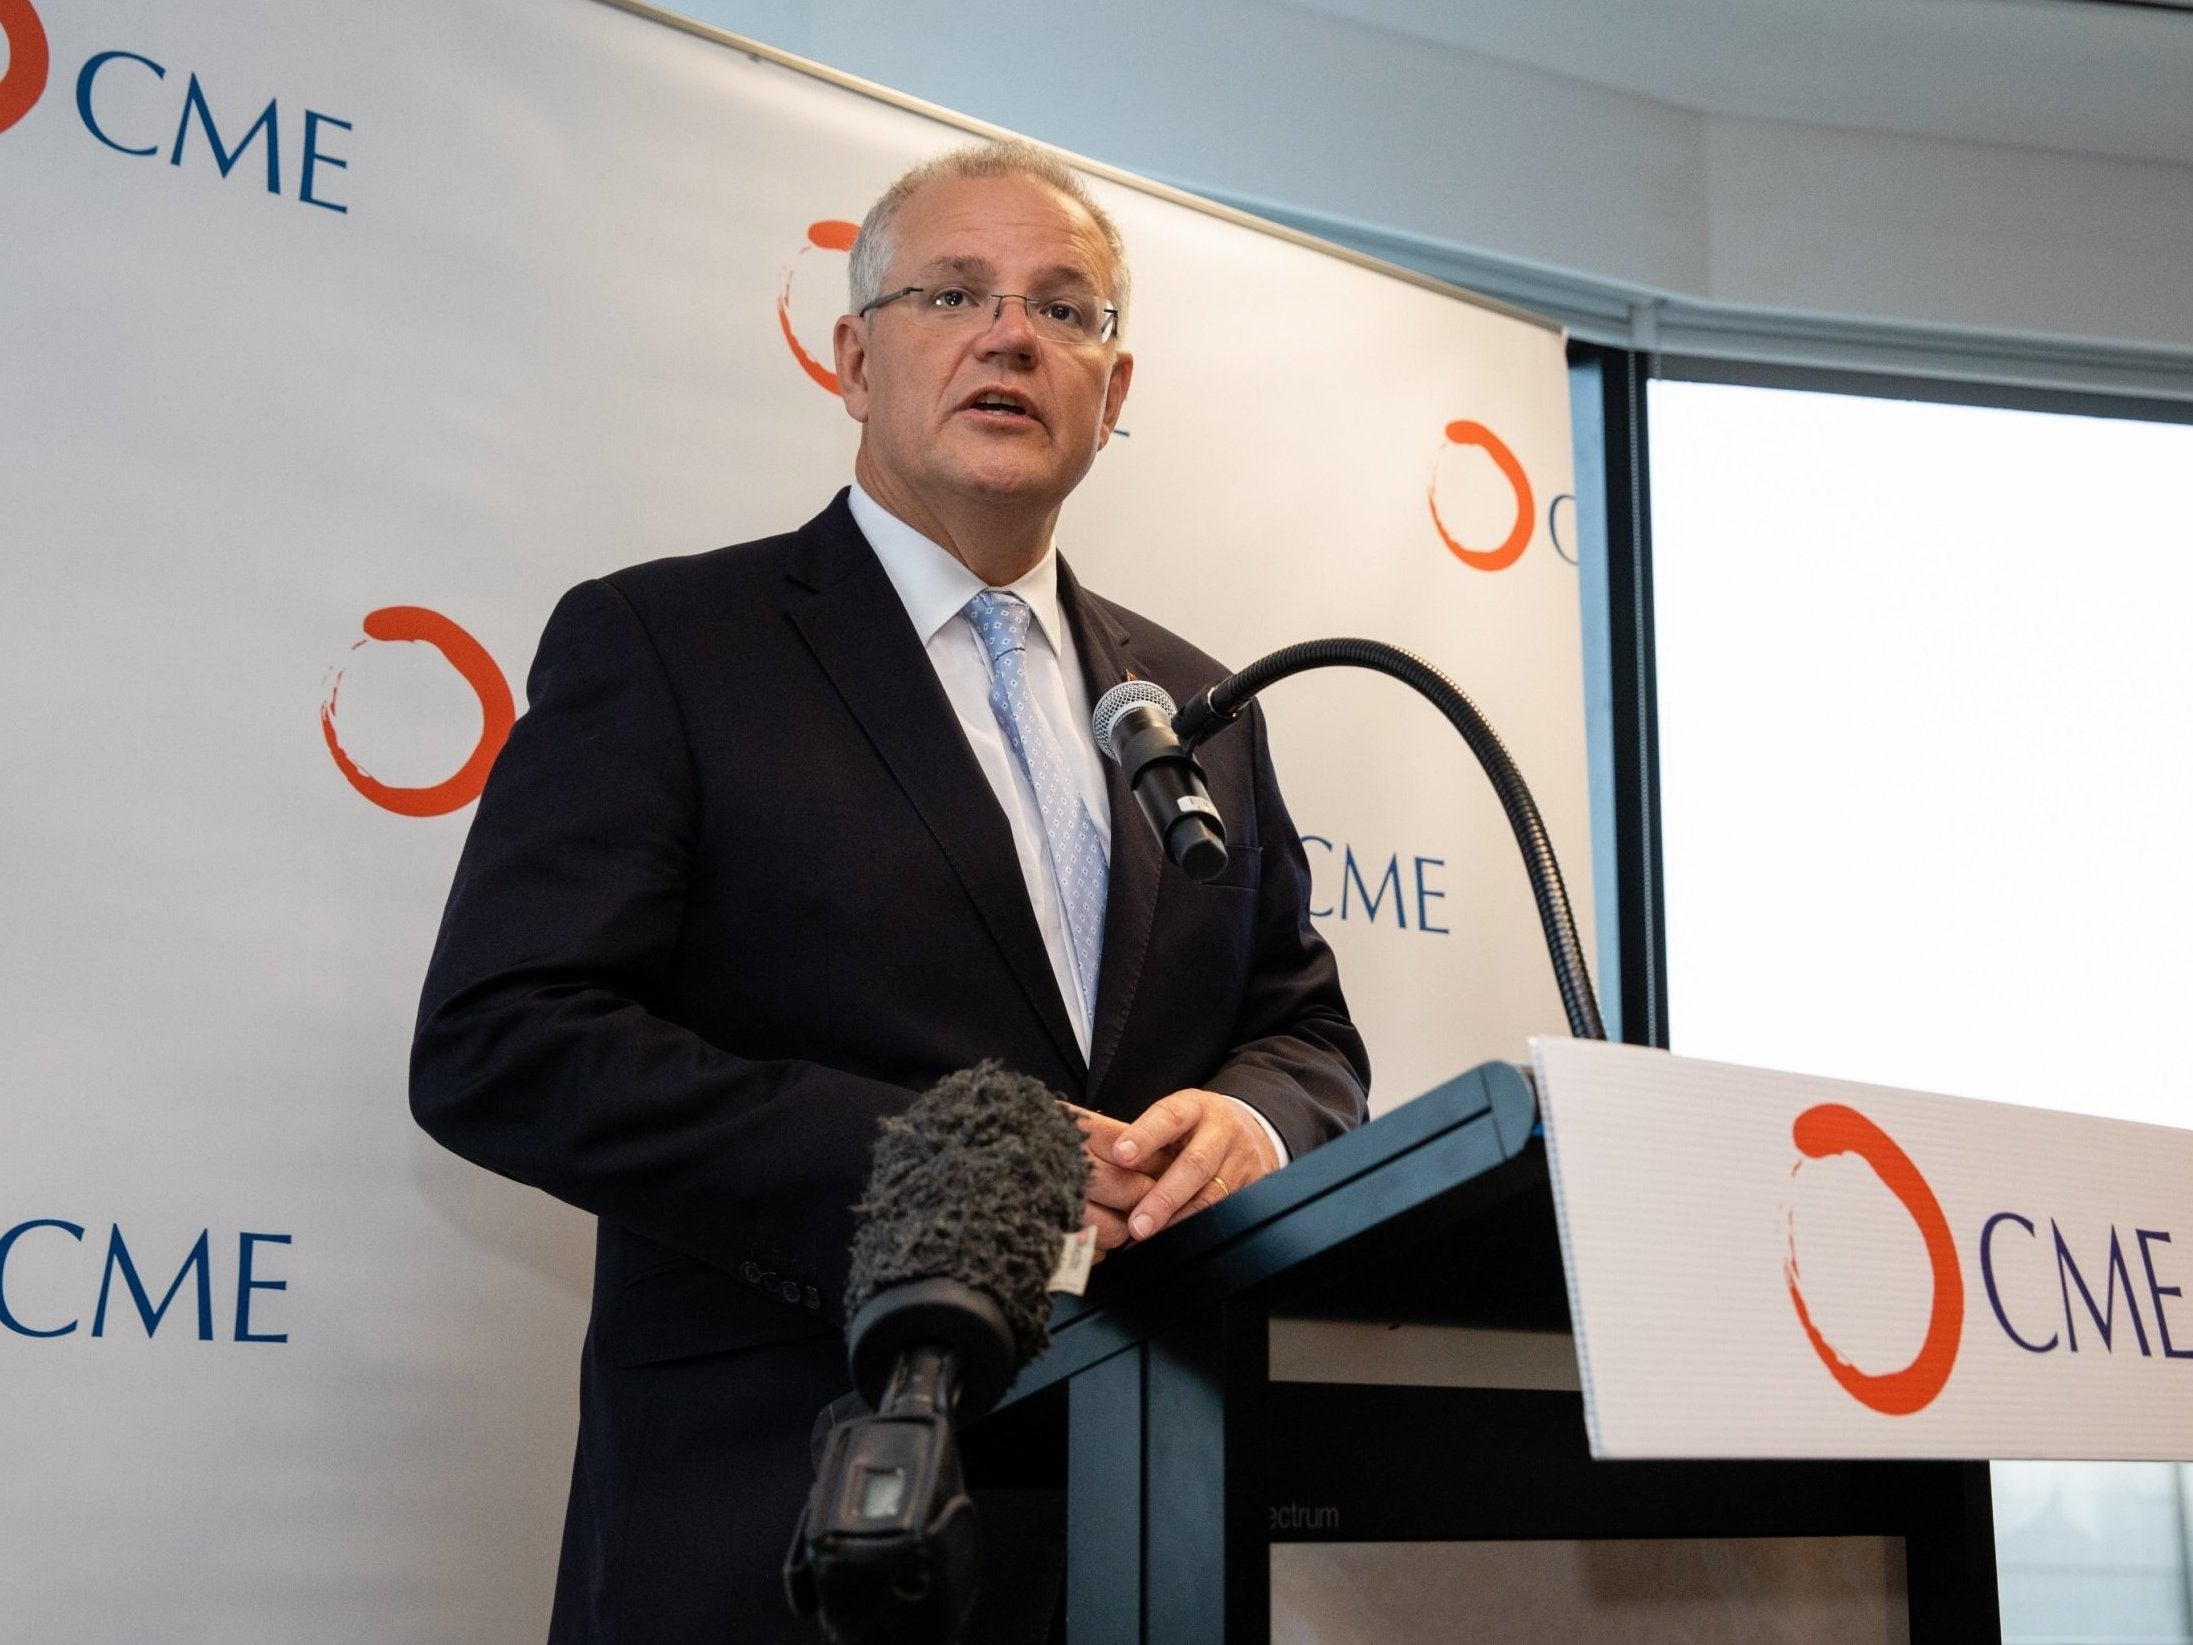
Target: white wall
[[1973, 234], [1262, 98]]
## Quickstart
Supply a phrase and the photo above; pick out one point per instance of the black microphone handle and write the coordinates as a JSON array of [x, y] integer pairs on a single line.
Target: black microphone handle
[[924, 1382], [942, 1313], [888, 1552], [1168, 785], [968, 1195]]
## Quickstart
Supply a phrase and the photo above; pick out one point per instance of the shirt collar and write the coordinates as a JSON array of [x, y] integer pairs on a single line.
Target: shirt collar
[[935, 587]]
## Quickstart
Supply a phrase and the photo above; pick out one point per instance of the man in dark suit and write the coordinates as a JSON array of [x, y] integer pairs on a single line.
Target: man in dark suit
[[793, 829]]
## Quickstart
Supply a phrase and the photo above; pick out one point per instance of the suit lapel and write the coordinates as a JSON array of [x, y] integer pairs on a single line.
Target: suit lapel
[[850, 616], [1137, 877]]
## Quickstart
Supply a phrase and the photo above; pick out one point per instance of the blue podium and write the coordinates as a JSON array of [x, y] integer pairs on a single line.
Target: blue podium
[[1187, 1463]]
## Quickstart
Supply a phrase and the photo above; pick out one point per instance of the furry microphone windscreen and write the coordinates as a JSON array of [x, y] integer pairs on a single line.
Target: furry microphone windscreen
[[978, 1181]]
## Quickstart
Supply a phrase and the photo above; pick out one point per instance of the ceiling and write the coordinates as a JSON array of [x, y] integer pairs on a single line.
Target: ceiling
[[2084, 76]]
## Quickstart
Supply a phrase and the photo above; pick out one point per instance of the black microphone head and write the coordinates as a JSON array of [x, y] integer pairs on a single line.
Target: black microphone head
[[977, 1182], [1113, 706]]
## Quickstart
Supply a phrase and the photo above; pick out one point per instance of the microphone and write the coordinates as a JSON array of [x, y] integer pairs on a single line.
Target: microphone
[[970, 1195], [1133, 723]]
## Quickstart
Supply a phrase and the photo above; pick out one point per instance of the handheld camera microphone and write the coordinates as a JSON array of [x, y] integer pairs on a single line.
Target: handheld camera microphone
[[969, 1196], [1133, 723]]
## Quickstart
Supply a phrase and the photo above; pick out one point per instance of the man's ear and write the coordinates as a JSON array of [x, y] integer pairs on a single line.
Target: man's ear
[[849, 345], [1115, 395]]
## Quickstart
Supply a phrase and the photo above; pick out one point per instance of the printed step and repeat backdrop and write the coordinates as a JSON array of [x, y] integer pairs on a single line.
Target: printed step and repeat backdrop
[[335, 342]]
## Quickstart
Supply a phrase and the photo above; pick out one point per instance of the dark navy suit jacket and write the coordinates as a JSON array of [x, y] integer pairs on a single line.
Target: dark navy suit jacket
[[737, 889]]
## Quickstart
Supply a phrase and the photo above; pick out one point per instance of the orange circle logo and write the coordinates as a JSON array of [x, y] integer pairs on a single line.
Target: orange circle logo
[[1467, 433], [831, 234], [497, 713], [29, 60], [1828, 1129]]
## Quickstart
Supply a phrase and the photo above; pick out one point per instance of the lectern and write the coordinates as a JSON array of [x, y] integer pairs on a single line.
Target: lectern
[[1188, 1463]]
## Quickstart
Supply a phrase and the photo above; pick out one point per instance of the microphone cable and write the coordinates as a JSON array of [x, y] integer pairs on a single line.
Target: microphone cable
[[1214, 708]]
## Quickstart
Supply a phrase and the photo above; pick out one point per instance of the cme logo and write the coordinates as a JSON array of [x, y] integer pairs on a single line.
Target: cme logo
[[135, 106], [1830, 1129], [1477, 479], [2038, 1294], [1403, 890], [29, 60], [58, 1279], [812, 297], [413, 624]]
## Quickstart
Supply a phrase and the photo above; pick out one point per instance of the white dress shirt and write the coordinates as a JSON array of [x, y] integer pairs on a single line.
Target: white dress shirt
[[935, 587]]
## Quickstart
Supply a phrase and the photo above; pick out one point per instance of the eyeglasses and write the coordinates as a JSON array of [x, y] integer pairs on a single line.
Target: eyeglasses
[[1069, 319]]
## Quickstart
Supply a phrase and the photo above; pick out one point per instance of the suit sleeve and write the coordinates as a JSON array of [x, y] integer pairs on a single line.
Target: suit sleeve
[[1297, 1057], [543, 1049]]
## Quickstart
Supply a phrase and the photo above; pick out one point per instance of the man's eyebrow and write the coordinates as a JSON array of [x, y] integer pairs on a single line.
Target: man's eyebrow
[[981, 269], [965, 268], [1063, 275]]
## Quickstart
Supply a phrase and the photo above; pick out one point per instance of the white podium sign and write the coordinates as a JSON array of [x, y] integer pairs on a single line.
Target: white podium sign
[[1772, 1265]]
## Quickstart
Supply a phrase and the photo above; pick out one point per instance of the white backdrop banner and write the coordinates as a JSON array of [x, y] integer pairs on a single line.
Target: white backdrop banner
[[335, 342], [1779, 1265]]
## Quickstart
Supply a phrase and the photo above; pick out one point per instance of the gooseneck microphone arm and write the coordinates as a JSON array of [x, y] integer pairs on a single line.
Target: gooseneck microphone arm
[[1211, 710]]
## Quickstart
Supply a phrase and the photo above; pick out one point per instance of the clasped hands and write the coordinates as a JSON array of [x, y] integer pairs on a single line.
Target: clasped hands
[[1184, 1154]]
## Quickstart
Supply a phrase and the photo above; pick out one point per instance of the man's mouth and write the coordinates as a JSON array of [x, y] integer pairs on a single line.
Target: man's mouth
[[1001, 405]]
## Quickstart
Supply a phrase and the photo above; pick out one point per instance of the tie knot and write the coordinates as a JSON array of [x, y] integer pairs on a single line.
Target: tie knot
[[1000, 620]]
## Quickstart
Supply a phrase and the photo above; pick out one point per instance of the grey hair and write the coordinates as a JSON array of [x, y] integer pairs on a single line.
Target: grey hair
[[1009, 157]]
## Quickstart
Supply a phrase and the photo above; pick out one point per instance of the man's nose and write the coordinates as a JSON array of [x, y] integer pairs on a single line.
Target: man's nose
[[1010, 330]]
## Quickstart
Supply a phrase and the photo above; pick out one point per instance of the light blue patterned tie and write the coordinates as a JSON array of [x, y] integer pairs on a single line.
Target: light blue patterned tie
[[1000, 621]]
